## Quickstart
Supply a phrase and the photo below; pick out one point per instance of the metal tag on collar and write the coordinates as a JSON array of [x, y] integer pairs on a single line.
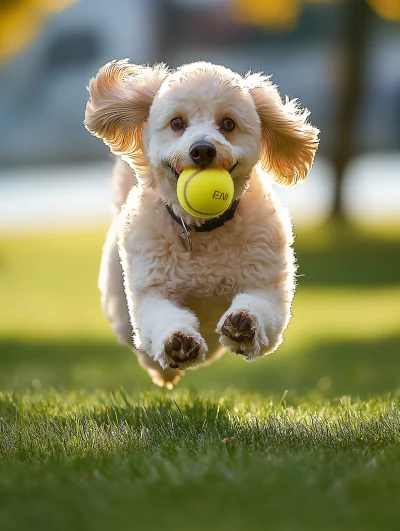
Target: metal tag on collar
[[185, 237]]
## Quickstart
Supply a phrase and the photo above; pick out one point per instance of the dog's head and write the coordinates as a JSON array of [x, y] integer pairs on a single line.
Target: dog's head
[[198, 115]]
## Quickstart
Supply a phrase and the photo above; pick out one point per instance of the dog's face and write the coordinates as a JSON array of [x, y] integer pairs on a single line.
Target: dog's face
[[202, 115]]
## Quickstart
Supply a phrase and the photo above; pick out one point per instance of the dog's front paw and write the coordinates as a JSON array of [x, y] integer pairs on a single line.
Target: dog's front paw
[[239, 327], [183, 350], [238, 332]]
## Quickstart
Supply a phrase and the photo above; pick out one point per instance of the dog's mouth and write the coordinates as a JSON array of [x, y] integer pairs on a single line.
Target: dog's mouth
[[176, 174], [232, 168], [173, 170]]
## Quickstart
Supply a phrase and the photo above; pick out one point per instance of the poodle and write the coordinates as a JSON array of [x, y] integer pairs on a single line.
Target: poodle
[[181, 306]]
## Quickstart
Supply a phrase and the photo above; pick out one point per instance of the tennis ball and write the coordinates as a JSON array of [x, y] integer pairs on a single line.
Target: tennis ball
[[205, 193]]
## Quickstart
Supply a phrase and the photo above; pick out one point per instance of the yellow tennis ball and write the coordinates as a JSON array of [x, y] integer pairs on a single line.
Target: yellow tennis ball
[[205, 193]]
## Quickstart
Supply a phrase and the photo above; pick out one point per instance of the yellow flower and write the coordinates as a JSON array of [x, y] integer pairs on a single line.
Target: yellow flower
[[389, 9], [280, 14], [21, 20]]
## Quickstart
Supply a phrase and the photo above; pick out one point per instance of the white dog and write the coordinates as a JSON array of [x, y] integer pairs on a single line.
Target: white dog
[[234, 289]]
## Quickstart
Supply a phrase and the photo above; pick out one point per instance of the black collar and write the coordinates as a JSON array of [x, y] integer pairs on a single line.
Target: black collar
[[210, 224]]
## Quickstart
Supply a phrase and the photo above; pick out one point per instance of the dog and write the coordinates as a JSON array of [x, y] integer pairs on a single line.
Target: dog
[[180, 308]]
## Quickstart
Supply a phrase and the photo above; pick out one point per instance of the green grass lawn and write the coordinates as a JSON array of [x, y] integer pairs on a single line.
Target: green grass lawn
[[307, 438]]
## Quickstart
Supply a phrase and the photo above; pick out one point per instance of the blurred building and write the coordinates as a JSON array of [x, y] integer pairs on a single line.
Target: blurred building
[[43, 89]]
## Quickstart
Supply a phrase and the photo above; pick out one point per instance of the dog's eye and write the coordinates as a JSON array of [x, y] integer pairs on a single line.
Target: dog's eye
[[227, 124], [177, 124]]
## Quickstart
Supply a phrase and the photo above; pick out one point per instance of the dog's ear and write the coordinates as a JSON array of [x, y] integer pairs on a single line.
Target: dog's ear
[[288, 141], [120, 99]]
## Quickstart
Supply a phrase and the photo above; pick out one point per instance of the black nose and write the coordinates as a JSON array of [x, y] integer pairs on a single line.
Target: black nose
[[202, 153]]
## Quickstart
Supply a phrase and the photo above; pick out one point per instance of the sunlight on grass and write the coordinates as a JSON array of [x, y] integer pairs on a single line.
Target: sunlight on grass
[[49, 287], [344, 313], [88, 443], [49, 284], [342, 338]]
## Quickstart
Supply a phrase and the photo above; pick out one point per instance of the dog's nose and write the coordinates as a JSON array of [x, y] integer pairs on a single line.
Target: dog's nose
[[202, 153]]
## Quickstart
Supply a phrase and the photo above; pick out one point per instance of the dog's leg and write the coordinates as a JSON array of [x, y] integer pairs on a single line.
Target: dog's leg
[[254, 323], [166, 332], [115, 308], [161, 377], [113, 300]]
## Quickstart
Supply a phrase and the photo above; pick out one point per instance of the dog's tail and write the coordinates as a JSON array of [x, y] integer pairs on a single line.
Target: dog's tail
[[123, 180]]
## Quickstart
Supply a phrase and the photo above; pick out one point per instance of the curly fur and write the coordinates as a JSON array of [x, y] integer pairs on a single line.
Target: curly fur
[[151, 287]]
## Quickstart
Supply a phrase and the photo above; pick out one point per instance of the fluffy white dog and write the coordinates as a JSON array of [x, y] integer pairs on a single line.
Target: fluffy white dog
[[234, 289]]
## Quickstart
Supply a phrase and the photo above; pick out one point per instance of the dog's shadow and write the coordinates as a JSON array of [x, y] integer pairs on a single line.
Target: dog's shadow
[[330, 368]]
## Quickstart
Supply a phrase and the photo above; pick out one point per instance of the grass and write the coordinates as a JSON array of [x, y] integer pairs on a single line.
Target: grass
[[305, 439], [107, 461]]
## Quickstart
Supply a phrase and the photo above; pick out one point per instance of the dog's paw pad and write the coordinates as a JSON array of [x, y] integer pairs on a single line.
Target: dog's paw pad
[[180, 348], [239, 327]]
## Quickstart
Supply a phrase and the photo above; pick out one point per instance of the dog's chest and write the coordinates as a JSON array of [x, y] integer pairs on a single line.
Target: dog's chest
[[243, 254], [209, 269], [221, 264]]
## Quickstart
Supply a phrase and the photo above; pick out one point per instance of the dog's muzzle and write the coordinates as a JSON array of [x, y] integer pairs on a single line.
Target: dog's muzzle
[[202, 153], [176, 174]]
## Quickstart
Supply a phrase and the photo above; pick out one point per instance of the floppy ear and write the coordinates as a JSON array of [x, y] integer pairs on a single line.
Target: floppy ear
[[120, 99], [288, 141]]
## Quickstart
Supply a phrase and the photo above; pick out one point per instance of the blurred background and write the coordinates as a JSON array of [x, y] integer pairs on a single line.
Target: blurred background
[[341, 58]]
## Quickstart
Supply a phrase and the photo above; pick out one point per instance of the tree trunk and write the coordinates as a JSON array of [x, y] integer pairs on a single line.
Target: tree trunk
[[353, 44]]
